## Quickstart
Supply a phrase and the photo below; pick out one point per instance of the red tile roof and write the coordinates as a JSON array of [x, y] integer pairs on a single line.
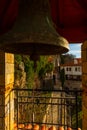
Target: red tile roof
[[73, 63]]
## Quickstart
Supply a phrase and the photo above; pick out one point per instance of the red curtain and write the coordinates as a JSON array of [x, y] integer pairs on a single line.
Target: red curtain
[[8, 13], [69, 16]]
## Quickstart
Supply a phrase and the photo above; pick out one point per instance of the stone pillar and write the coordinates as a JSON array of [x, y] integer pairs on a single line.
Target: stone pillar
[[6, 84], [84, 85]]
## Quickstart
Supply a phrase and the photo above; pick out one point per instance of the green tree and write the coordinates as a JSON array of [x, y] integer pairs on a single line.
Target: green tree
[[17, 61], [29, 70], [43, 66], [66, 58], [62, 77]]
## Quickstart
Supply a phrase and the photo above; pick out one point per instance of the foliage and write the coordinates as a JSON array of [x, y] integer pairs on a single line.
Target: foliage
[[43, 66], [29, 70], [49, 67], [67, 58], [18, 60], [62, 76], [28, 66]]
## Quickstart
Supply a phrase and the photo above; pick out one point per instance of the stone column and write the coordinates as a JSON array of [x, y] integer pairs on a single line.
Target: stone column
[[6, 84], [84, 85]]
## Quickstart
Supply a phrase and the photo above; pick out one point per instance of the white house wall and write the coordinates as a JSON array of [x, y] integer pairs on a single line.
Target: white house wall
[[73, 72]]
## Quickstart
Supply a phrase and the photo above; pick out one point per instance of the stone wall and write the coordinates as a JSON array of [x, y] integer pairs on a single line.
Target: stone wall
[[84, 84], [6, 84]]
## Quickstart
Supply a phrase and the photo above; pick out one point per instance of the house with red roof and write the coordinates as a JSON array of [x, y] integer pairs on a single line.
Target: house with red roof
[[73, 69]]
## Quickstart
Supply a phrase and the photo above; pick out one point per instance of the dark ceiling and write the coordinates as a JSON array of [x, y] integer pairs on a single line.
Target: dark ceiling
[[69, 16]]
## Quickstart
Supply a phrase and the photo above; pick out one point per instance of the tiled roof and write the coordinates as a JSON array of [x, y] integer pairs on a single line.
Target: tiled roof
[[74, 62]]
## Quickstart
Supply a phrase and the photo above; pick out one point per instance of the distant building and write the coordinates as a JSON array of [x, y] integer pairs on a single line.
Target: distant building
[[73, 69]]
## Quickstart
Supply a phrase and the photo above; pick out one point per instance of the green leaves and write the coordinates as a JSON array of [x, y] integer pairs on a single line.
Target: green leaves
[[44, 66], [62, 76]]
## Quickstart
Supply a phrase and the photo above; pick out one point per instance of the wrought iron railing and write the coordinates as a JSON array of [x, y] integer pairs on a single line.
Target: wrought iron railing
[[52, 108]]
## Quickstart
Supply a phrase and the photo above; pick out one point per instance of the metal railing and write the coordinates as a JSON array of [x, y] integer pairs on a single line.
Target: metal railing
[[49, 107]]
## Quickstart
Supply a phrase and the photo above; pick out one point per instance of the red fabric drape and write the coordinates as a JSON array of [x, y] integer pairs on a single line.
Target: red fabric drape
[[69, 16], [8, 13]]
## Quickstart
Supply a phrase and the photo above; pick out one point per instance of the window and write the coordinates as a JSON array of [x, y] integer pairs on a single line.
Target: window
[[79, 69], [69, 69], [75, 68], [66, 69]]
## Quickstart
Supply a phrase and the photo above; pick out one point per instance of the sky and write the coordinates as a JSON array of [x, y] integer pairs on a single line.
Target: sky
[[75, 49]]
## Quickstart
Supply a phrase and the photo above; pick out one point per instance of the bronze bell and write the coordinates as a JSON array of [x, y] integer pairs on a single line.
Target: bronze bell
[[33, 32]]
